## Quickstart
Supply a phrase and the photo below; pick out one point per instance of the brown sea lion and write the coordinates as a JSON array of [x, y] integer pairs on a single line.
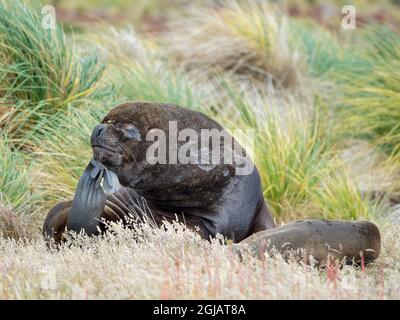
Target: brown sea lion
[[208, 198], [347, 241]]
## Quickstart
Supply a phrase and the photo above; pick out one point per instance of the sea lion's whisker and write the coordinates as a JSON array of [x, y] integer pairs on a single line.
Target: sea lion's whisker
[[127, 151], [146, 217]]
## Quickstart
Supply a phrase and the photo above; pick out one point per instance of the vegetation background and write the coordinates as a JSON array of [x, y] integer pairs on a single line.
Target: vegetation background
[[324, 103]]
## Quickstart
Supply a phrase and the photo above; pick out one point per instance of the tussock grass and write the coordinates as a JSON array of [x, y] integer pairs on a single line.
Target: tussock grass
[[154, 82], [372, 98], [337, 197], [16, 226], [176, 264], [254, 37], [138, 70], [15, 177], [297, 158], [62, 147], [324, 51], [41, 71], [371, 168]]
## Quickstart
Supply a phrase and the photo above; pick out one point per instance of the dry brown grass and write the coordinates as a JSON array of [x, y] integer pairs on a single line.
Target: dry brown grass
[[14, 226], [371, 169], [250, 42], [179, 265]]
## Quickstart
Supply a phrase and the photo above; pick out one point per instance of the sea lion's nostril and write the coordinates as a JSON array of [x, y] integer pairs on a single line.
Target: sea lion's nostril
[[98, 130]]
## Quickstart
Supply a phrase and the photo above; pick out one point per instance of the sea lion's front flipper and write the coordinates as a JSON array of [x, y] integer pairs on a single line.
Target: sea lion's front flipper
[[111, 183], [346, 241], [97, 167], [88, 203]]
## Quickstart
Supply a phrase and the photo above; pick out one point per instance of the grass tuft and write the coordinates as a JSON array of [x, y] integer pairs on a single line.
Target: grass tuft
[[372, 96], [255, 39], [41, 71], [62, 147], [296, 156], [15, 177]]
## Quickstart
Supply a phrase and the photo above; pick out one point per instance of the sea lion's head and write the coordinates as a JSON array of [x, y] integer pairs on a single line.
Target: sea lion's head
[[116, 138], [119, 141]]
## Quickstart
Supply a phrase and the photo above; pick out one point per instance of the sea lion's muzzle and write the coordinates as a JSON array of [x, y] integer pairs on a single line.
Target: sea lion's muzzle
[[97, 131], [102, 149], [107, 157], [99, 134]]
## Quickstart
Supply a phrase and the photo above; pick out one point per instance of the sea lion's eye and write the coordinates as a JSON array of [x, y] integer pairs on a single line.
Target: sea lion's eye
[[119, 125], [109, 121], [130, 131]]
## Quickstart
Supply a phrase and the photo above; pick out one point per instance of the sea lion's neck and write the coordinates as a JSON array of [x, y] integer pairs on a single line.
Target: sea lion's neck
[[129, 175]]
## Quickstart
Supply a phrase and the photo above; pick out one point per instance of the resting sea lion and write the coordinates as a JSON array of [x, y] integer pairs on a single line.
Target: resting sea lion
[[209, 198], [346, 241]]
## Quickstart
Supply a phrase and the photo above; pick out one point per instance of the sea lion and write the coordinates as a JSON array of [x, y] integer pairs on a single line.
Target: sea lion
[[210, 198], [346, 241]]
